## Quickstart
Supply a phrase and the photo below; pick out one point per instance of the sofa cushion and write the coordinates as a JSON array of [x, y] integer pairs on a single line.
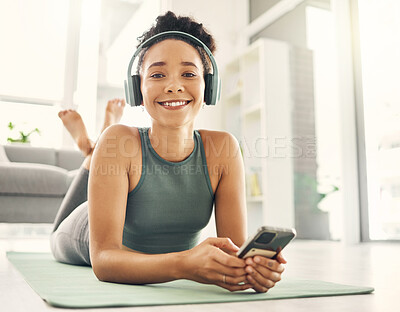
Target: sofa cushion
[[28, 154], [3, 155], [69, 159], [32, 179]]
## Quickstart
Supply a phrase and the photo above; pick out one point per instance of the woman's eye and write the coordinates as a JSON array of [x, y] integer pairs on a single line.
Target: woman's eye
[[157, 76], [189, 75]]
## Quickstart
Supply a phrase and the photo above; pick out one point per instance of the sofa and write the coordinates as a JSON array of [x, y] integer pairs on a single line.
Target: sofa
[[34, 181]]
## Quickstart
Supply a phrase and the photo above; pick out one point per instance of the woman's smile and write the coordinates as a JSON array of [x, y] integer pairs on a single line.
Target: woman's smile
[[174, 104]]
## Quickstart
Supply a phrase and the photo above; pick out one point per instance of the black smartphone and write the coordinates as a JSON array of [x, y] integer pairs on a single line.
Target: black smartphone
[[267, 242]]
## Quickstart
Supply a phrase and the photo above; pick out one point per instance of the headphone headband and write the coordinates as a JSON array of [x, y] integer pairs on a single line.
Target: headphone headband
[[213, 83]]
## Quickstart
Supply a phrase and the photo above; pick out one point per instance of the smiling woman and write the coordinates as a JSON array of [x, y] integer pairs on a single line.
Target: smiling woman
[[152, 190]]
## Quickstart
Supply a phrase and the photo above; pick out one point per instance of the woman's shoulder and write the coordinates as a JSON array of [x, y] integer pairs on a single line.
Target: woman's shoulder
[[216, 134], [120, 139], [119, 129], [120, 132], [219, 143]]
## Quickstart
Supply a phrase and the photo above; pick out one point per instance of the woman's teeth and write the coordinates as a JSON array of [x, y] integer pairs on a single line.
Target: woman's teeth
[[179, 103]]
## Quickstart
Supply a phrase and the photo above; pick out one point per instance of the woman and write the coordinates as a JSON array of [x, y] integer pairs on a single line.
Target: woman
[[151, 191]]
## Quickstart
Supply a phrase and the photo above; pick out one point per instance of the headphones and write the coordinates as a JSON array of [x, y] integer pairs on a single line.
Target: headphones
[[212, 91]]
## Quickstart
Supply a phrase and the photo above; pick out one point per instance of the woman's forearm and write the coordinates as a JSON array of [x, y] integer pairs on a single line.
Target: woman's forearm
[[206, 263], [122, 266]]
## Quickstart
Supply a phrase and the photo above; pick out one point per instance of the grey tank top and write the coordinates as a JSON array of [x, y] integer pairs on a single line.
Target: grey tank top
[[172, 202]]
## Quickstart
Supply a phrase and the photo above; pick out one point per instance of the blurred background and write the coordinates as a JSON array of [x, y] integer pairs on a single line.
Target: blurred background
[[309, 89]]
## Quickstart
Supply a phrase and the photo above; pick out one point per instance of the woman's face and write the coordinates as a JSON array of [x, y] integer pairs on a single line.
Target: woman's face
[[172, 83]]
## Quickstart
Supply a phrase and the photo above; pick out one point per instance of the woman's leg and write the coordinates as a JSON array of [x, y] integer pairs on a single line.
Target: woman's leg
[[70, 242], [70, 238], [76, 195]]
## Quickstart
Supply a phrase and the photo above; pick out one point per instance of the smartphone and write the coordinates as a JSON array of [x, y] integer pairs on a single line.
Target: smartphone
[[267, 242]]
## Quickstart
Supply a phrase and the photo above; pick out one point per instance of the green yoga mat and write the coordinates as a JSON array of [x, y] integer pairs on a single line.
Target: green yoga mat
[[70, 286]]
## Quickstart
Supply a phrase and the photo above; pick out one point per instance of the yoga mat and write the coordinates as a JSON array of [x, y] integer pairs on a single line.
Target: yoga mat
[[71, 286]]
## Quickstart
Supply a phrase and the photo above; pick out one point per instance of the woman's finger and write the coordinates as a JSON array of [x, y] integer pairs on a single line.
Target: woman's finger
[[260, 280], [231, 287], [234, 280], [256, 286], [222, 242], [271, 264], [230, 283], [280, 258], [230, 271], [229, 260], [267, 273]]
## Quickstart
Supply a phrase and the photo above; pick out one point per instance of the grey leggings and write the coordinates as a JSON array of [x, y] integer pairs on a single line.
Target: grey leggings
[[69, 240]]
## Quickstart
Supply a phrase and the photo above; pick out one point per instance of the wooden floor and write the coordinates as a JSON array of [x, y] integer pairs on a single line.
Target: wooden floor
[[369, 264]]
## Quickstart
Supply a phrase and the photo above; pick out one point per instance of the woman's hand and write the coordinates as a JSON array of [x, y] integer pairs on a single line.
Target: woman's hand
[[264, 273], [207, 263]]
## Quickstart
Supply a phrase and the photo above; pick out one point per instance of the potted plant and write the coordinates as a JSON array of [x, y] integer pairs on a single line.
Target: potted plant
[[23, 137]]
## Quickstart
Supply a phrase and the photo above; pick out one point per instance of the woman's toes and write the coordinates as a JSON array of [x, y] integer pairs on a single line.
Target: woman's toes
[[62, 113]]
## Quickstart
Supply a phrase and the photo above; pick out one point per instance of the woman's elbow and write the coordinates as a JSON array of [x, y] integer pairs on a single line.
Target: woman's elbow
[[100, 266], [99, 271]]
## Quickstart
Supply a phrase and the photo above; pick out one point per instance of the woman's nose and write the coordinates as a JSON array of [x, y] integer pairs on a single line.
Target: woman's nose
[[174, 86]]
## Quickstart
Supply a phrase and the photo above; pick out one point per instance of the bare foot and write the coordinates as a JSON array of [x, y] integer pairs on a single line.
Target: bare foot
[[75, 126], [114, 111]]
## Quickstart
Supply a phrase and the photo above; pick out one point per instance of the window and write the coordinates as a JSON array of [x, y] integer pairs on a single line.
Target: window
[[66, 54], [33, 50], [380, 50], [32, 62]]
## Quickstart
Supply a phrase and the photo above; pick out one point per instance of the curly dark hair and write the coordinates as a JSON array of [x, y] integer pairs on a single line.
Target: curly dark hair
[[169, 21]]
